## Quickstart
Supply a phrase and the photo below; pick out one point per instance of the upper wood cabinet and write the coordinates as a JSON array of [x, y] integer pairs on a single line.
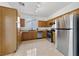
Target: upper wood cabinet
[[42, 24], [22, 22], [8, 31], [48, 23]]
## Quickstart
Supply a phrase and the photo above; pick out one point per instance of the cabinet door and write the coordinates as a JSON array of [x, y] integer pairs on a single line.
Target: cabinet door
[[50, 23], [9, 30], [42, 23]]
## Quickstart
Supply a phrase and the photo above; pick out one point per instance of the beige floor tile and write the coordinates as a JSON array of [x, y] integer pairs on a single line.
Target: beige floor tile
[[37, 47]]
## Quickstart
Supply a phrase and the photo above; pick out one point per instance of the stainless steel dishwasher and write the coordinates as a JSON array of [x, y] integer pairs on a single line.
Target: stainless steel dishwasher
[[39, 35]]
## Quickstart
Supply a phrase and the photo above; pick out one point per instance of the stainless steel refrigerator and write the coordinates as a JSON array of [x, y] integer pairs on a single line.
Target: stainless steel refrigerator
[[67, 30]]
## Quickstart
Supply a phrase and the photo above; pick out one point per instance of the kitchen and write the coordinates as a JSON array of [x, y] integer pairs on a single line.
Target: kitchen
[[39, 28]]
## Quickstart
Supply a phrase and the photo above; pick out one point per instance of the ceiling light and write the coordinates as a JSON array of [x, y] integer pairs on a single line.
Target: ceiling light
[[21, 3]]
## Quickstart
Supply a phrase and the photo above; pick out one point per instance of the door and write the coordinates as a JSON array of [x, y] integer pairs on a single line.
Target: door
[[9, 30], [0, 31]]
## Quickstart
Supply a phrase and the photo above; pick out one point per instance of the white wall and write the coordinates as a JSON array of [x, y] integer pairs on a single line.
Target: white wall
[[31, 25], [66, 9], [44, 28]]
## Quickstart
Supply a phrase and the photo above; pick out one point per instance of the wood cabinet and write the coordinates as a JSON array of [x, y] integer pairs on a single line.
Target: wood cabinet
[[8, 31], [30, 35], [48, 23], [53, 37], [42, 23], [44, 35]]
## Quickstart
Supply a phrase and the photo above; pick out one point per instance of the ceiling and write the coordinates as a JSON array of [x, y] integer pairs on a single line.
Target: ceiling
[[38, 9]]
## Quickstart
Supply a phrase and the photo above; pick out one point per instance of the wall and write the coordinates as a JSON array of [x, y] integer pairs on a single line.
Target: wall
[[30, 23], [44, 28]]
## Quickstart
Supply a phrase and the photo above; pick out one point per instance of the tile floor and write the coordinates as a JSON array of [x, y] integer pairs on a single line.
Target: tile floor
[[37, 47]]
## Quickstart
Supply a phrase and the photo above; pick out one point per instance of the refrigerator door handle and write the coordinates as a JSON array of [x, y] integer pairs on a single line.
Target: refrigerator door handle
[[63, 28]]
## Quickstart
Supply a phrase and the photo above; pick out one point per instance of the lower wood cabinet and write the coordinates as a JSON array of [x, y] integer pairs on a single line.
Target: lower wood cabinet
[[53, 37], [44, 34], [30, 35]]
